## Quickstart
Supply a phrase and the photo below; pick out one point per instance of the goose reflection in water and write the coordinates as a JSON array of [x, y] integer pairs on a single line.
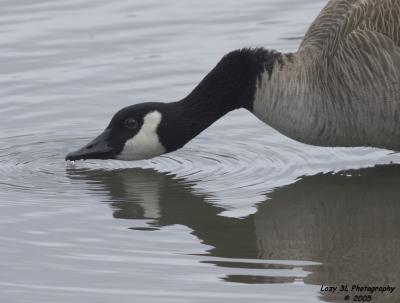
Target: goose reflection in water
[[348, 222]]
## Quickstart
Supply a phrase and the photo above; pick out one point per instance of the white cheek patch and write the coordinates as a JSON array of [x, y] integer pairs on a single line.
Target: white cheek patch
[[146, 143]]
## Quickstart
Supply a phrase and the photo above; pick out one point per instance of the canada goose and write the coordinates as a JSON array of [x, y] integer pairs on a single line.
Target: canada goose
[[341, 88]]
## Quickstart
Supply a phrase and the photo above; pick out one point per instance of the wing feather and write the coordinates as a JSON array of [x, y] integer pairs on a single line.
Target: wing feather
[[340, 18]]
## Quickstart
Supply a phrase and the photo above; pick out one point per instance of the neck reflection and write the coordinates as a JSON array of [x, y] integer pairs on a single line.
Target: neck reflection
[[347, 221]]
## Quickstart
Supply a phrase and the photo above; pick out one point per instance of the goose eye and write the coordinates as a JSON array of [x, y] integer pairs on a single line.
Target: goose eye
[[131, 123]]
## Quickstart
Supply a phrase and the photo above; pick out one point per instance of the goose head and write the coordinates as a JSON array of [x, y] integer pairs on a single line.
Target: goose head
[[147, 130], [133, 133]]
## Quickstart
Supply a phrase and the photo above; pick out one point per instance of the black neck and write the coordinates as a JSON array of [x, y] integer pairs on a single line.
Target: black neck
[[230, 85]]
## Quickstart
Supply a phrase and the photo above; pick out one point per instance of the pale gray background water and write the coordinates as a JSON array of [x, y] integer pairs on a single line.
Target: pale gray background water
[[223, 219]]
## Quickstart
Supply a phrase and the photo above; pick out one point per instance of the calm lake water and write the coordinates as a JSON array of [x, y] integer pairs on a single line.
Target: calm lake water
[[241, 213]]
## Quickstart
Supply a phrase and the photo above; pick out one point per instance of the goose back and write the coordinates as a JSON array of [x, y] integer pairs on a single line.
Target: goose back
[[340, 18], [342, 87]]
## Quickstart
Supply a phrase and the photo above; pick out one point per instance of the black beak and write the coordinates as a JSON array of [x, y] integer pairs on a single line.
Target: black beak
[[97, 149]]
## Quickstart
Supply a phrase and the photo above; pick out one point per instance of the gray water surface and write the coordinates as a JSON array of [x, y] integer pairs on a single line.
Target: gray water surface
[[241, 213]]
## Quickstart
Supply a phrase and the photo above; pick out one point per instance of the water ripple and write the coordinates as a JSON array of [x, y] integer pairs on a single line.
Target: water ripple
[[234, 173]]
